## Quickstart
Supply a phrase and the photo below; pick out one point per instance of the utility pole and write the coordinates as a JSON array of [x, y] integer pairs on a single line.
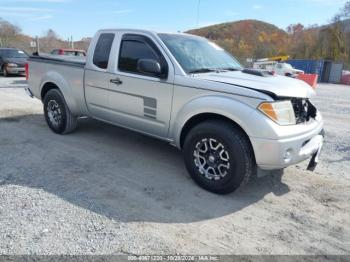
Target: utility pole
[[37, 44], [70, 42]]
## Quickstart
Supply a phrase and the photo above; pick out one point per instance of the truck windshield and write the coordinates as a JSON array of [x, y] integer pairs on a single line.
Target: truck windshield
[[198, 55]]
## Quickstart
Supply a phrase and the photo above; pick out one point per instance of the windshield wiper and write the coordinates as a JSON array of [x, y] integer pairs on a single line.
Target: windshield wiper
[[231, 69], [203, 70], [218, 70]]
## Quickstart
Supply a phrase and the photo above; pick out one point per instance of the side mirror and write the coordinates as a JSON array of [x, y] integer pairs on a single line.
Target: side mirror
[[149, 66]]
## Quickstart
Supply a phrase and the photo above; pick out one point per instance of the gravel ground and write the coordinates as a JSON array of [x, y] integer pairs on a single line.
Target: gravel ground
[[104, 190]]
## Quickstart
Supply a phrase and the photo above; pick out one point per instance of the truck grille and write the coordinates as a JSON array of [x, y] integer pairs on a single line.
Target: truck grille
[[303, 110]]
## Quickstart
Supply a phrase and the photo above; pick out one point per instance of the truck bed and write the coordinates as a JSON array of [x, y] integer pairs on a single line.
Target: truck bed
[[66, 72]]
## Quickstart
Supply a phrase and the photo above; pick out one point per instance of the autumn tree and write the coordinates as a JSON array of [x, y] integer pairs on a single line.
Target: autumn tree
[[345, 14], [331, 43], [303, 41], [295, 29], [334, 39]]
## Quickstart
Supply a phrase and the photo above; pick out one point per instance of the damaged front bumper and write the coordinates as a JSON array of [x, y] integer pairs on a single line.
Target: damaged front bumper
[[278, 154], [316, 143]]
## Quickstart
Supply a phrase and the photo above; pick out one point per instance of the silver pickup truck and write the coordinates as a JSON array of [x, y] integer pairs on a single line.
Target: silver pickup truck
[[228, 121]]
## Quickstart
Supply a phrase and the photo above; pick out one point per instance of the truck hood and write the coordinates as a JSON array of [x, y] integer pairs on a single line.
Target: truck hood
[[280, 86]]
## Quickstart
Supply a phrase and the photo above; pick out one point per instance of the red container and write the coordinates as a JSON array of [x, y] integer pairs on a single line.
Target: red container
[[311, 79], [345, 80]]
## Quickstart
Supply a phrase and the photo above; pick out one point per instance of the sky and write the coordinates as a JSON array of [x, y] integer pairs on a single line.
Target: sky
[[82, 18]]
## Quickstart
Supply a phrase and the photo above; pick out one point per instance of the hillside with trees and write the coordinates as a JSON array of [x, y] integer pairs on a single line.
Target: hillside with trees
[[247, 38], [257, 39]]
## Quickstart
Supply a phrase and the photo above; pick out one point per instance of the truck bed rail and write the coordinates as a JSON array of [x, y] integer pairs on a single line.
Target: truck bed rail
[[58, 60]]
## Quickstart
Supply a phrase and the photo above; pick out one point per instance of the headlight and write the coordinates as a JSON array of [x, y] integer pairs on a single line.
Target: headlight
[[281, 112], [12, 65]]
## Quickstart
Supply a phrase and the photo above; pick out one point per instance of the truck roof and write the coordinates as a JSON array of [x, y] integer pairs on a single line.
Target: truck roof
[[144, 31]]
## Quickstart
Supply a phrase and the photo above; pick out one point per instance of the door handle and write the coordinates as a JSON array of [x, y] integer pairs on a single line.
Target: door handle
[[116, 81]]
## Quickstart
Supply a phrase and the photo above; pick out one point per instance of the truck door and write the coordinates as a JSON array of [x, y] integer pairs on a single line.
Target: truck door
[[139, 100], [279, 69], [97, 77]]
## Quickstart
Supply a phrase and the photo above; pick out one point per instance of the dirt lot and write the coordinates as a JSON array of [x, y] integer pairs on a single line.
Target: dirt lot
[[104, 190]]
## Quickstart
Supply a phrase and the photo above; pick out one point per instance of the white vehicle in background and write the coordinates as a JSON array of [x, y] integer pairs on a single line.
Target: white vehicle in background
[[279, 68]]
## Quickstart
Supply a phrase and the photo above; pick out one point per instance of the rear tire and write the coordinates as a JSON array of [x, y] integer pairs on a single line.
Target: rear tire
[[57, 114], [218, 156]]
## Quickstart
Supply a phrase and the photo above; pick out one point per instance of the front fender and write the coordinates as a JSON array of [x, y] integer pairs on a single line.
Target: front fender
[[253, 122], [233, 109]]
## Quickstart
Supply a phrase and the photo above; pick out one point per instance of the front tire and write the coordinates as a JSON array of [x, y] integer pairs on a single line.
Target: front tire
[[218, 156], [57, 114]]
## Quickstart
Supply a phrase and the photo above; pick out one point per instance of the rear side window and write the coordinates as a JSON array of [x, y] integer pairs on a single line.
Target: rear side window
[[102, 50], [131, 52]]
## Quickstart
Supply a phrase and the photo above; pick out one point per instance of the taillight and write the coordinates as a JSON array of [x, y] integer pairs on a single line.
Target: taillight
[[27, 70]]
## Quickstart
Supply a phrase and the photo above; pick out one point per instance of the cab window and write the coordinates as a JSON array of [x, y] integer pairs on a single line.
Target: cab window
[[103, 50], [135, 47]]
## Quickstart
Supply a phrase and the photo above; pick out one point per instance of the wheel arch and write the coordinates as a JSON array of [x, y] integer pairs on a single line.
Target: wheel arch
[[229, 109], [206, 116], [54, 80], [46, 88]]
